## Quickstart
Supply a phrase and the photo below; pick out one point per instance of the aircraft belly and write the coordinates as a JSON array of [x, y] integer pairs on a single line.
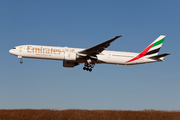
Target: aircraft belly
[[123, 60], [116, 60], [44, 56], [141, 61]]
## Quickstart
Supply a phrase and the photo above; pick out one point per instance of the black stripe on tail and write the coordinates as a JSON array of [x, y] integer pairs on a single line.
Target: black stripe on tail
[[152, 51]]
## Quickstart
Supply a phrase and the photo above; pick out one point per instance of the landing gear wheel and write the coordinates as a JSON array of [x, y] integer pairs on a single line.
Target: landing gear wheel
[[21, 62], [92, 66], [85, 64], [89, 65]]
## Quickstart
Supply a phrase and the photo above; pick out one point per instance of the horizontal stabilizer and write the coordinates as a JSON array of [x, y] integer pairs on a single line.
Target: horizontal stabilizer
[[159, 56]]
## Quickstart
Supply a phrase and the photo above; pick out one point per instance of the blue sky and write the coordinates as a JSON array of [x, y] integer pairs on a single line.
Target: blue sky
[[45, 84]]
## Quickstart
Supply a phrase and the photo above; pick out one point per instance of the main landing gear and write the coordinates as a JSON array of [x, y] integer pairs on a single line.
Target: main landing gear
[[88, 67]]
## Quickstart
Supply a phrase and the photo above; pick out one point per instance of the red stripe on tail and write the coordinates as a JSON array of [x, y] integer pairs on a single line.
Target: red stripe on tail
[[141, 54]]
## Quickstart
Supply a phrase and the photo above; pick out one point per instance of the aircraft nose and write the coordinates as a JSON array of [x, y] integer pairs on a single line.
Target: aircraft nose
[[10, 51]]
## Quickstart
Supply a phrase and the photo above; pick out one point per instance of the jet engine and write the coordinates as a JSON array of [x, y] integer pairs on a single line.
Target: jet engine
[[69, 64]]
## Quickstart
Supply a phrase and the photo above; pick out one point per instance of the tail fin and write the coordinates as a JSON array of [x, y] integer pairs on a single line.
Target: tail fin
[[152, 49], [155, 46]]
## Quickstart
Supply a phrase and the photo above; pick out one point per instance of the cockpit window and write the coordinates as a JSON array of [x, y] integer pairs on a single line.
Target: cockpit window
[[14, 48]]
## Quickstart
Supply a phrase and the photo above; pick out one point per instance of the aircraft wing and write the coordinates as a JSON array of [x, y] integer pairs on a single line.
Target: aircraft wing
[[93, 51]]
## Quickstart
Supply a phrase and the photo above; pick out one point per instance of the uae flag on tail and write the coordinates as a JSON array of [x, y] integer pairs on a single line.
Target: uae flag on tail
[[151, 50]]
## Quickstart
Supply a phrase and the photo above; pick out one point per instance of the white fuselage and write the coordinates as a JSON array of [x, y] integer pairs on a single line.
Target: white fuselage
[[65, 53]]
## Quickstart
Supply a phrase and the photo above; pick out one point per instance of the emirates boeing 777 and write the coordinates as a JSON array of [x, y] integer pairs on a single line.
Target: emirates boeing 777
[[94, 55]]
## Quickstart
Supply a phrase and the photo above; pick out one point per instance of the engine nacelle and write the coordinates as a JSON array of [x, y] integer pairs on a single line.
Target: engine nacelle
[[70, 56], [69, 64]]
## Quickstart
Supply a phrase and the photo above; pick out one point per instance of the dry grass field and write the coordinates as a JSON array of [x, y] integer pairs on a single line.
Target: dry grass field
[[30, 114]]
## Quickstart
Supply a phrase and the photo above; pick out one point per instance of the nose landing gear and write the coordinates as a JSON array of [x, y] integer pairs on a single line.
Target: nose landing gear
[[20, 57], [21, 61]]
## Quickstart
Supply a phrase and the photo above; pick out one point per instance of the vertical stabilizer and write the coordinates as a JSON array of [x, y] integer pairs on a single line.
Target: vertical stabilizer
[[151, 50], [156, 45]]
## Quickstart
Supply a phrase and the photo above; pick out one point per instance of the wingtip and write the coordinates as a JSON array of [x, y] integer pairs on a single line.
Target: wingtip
[[119, 36]]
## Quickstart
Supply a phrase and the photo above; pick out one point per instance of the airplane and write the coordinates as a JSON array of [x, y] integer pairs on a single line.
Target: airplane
[[94, 55]]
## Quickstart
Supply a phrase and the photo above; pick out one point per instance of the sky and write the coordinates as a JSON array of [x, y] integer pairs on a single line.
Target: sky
[[46, 84]]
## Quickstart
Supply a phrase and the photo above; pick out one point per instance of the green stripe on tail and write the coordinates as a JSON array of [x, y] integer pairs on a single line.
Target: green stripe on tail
[[158, 42]]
